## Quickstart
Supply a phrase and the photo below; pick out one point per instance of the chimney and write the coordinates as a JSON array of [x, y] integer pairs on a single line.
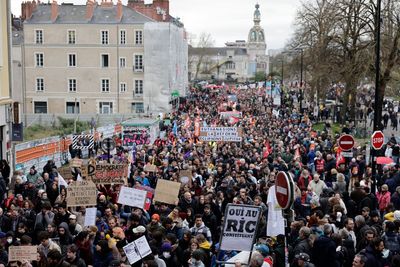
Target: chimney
[[106, 3], [89, 9], [54, 11], [26, 10], [119, 10]]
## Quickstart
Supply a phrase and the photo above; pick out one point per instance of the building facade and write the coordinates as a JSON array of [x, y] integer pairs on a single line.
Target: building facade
[[237, 61], [93, 59], [5, 80]]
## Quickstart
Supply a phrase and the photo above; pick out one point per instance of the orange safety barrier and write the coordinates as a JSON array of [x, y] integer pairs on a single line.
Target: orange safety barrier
[[42, 150]]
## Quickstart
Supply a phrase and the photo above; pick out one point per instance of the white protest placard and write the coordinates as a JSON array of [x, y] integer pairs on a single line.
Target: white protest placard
[[137, 250], [90, 216], [240, 227], [225, 134], [132, 253], [132, 197], [21, 253], [143, 246]]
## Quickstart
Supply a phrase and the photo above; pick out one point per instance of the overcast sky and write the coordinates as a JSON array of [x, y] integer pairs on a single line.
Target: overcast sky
[[225, 20]]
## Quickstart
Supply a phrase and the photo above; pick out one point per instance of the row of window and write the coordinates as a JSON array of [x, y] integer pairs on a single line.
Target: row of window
[[104, 37], [105, 61], [105, 86], [40, 107]]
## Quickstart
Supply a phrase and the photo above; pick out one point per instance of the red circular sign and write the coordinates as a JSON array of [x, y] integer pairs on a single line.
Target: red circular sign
[[346, 142], [377, 140], [284, 190]]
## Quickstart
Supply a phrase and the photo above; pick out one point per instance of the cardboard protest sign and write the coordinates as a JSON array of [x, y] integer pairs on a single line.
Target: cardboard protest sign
[[150, 168], [65, 172], [20, 253], [167, 191], [226, 134], [149, 195], [137, 250], [108, 173], [76, 163], [82, 193], [240, 227], [185, 176], [132, 197], [90, 216]]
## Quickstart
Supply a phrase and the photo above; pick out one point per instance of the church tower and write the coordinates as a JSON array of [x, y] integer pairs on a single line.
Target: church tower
[[256, 39]]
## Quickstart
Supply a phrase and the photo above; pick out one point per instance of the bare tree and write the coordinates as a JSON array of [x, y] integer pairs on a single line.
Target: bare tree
[[205, 41]]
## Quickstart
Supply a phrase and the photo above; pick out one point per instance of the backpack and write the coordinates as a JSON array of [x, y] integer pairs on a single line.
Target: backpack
[[392, 243]]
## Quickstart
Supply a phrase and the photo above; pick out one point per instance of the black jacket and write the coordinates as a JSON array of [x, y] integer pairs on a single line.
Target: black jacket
[[324, 252]]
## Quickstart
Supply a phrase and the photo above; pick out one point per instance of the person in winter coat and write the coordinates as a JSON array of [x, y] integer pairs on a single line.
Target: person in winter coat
[[65, 238], [55, 259], [324, 249], [102, 254], [302, 244], [383, 198], [373, 252], [73, 257]]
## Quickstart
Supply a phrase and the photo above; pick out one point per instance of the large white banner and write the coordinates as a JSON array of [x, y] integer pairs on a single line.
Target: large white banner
[[226, 134], [240, 227], [132, 197]]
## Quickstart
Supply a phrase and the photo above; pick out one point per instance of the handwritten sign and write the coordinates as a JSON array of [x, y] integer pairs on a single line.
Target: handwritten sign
[[135, 136], [150, 168], [108, 173], [149, 195], [65, 172], [90, 216], [76, 163], [132, 197], [167, 191], [82, 193], [20, 253]]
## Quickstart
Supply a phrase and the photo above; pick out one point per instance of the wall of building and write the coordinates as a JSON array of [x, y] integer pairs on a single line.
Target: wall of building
[[5, 95], [88, 72], [166, 65]]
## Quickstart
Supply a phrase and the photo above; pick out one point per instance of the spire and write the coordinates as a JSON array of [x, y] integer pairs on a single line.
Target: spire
[[257, 15]]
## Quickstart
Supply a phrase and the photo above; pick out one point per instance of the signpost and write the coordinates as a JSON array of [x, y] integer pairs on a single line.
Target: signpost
[[346, 142], [107, 145], [377, 140]]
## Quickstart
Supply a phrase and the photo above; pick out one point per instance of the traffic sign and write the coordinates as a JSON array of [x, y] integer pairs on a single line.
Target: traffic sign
[[377, 140], [346, 142], [284, 190], [108, 144]]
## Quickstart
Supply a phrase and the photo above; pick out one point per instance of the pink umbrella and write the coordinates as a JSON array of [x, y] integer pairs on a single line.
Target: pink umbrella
[[383, 160]]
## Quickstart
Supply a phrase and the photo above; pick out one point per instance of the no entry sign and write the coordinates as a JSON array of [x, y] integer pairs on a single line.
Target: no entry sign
[[346, 142], [284, 190], [377, 140]]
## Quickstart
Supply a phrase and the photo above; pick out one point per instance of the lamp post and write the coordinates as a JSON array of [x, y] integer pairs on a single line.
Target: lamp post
[[378, 93]]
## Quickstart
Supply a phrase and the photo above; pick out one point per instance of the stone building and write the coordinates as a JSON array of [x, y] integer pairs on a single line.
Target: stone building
[[236, 61], [100, 58]]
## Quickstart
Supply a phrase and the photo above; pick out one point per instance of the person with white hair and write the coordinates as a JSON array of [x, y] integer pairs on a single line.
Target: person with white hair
[[317, 185]]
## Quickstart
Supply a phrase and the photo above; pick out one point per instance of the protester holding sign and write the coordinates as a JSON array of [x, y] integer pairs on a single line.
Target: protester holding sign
[[154, 200]]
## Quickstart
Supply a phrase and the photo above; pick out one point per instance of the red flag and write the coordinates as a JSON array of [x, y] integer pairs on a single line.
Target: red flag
[[339, 157], [233, 120], [197, 127], [188, 123]]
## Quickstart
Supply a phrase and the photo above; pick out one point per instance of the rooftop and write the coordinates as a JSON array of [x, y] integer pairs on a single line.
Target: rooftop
[[76, 14]]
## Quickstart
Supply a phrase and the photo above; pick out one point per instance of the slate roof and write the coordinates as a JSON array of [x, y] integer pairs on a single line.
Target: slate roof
[[76, 14], [215, 50]]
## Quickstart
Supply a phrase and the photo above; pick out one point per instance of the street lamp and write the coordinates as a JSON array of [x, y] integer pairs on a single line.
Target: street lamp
[[378, 96]]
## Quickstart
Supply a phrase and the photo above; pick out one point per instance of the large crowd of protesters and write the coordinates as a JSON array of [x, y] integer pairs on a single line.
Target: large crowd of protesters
[[339, 219]]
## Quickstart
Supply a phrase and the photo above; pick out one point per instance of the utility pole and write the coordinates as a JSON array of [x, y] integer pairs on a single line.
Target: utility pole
[[301, 79], [378, 94]]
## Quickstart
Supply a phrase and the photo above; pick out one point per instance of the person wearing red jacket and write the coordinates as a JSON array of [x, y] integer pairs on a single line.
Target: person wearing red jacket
[[383, 198]]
